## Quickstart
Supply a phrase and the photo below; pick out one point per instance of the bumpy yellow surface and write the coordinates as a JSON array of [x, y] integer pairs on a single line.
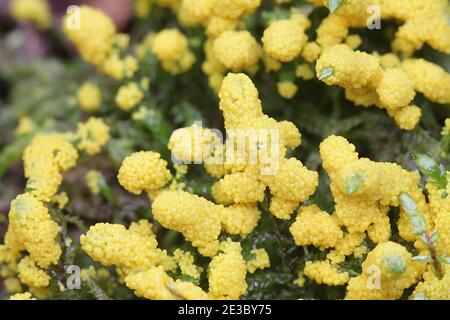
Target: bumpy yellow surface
[[129, 96], [288, 180], [188, 291], [93, 38], [311, 51], [362, 189], [234, 9], [193, 12], [195, 144], [425, 21], [45, 158], [261, 260], [92, 135], [32, 229], [315, 227], [395, 88], [287, 89], [366, 83], [334, 28], [118, 68], [440, 208], [196, 218], [433, 288], [353, 41], [22, 296], [89, 97], [113, 244], [143, 171], [429, 79], [143, 227], [185, 261], [237, 50], [345, 62], [323, 272], [155, 284], [50, 146], [171, 47], [240, 219], [304, 71], [389, 60], [238, 188], [218, 25], [227, 272], [284, 39], [391, 281], [245, 179], [32, 275], [348, 245]]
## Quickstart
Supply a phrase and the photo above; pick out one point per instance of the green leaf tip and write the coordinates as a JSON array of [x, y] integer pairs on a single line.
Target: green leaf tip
[[434, 237], [422, 259], [415, 217], [433, 171], [425, 163], [395, 263], [408, 203], [327, 72], [353, 183], [333, 5], [444, 259]]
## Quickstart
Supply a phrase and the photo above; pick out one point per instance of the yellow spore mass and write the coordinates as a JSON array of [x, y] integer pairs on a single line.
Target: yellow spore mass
[[432, 288], [32, 275], [92, 135], [260, 260], [195, 217], [129, 96], [364, 190], [315, 227], [143, 171], [32, 229], [155, 284], [366, 83], [237, 50], [323, 272], [113, 244], [284, 39], [89, 97], [93, 36], [171, 47], [387, 271], [227, 272]]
